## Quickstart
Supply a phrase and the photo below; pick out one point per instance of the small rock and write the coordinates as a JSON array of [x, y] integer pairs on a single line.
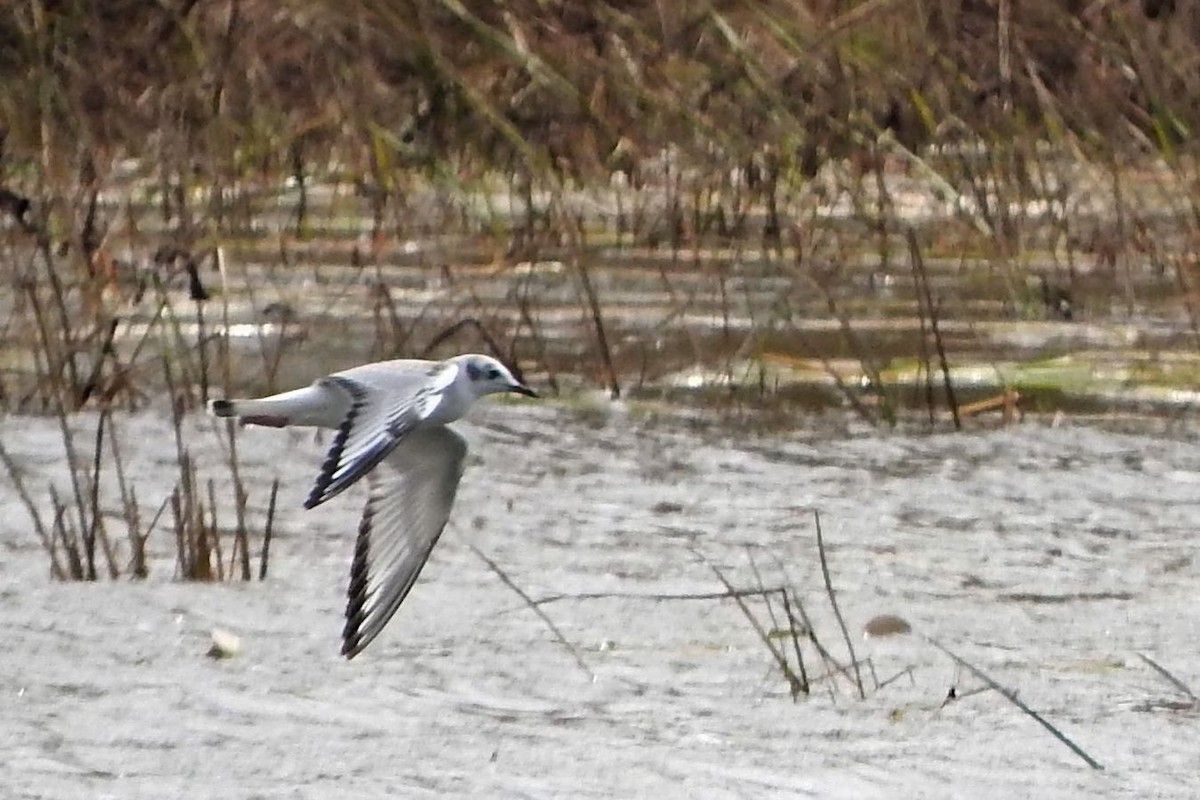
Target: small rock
[[224, 644], [886, 625]]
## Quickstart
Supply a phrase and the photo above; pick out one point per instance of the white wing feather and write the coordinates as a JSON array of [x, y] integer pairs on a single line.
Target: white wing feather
[[411, 493]]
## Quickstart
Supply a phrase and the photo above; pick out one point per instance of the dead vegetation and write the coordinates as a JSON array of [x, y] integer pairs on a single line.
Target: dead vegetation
[[781, 622], [142, 140], [76, 530]]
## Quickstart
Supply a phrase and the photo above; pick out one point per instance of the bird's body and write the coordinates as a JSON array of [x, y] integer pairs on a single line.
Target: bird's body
[[390, 419]]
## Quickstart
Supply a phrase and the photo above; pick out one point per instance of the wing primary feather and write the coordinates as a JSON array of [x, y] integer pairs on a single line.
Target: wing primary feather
[[358, 400], [357, 592], [407, 508]]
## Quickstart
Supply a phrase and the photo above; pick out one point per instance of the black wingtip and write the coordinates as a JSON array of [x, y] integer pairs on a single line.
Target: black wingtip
[[356, 592], [320, 490], [314, 498], [221, 408]]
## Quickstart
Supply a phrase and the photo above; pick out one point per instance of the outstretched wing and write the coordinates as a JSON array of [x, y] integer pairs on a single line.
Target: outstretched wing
[[411, 493], [376, 422]]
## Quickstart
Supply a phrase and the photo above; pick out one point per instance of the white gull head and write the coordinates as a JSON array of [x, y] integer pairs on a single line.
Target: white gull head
[[485, 375]]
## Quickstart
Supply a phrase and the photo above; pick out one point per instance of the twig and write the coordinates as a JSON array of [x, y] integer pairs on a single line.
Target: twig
[[578, 258], [792, 607], [264, 555], [802, 686], [855, 343], [45, 535], [837, 612], [780, 657], [93, 501], [787, 609], [581, 596], [157, 516], [829, 661], [932, 309], [1171, 679], [570, 648], [923, 341], [1011, 696], [215, 532], [70, 542], [129, 506]]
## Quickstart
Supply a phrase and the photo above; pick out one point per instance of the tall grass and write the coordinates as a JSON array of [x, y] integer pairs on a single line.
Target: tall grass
[[542, 132]]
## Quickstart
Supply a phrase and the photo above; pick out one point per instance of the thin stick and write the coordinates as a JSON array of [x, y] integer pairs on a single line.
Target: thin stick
[[924, 338], [129, 507], [933, 309], [202, 348], [137, 543], [264, 555], [792, 607], [467, 322], [853, 341], [154, 520], [725, 595], [787, 609], [837, 612], [215, 529], [1011, 696], [95, 527], [70, 542], [802, 686], [570, 648], [951, 398], [758, 582], [593, 301], [241, 496], [827, 658], [181, 553], [44, 534], [794, 683], [830, 663], [1161, 670]]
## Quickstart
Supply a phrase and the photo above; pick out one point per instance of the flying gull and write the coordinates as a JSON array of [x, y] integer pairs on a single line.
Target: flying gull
[[391, 420]]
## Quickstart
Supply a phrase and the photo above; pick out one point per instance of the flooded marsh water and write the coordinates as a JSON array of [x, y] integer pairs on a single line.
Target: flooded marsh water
[[1081, 321]]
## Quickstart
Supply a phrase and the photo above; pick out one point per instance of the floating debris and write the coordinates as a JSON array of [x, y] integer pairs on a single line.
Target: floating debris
[[224, 644], [885, 625]]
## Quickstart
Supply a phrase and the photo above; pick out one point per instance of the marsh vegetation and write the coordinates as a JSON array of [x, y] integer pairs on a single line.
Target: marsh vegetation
[[859, 206]]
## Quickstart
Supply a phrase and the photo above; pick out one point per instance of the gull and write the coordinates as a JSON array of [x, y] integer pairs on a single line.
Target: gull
[[391, 420]]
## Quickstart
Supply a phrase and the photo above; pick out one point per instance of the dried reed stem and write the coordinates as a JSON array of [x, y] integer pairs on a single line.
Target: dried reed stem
[[1011, 697], [837, 612]]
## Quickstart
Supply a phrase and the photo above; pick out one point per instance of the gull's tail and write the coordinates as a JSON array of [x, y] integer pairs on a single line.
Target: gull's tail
[[223, 408], [316, 406]]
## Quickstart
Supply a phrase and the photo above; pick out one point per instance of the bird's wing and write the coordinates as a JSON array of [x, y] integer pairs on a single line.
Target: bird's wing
[[381, 414], [411, 492]]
